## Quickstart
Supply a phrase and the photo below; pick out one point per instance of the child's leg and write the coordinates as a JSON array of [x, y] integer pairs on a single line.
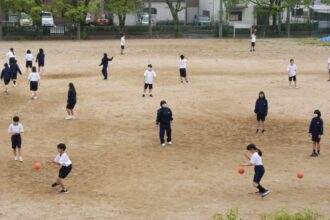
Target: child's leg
[[14, 152], [263, 126], [186, 79], [318, 146], [68, 111], [150, 91], [314, 147], [59, 181]]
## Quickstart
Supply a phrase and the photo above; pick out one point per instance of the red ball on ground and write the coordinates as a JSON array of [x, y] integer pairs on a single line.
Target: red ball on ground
[[37, 166], [241, 170], [300, 175]]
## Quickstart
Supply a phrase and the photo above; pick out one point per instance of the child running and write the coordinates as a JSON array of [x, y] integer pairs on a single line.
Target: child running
[[253, 40], [292, 71], [261, 110], [41, 61], [72, 99], [149, 76], [259, 170], [6, 77], [122, 44], [34, 80], [29, 59], [164, 120], [11, 56], [16, 130], [316, 131], [105, 63], [183, 68], [63, 161], [14, 71]]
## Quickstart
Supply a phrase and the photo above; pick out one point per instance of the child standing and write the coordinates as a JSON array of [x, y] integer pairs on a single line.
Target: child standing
[[14, 71], [149, 76], [63, 161], [105, 63], [256, 161], [122, 44], [292, 71], [316, 131], [72, 99], [164, 120], [15, 130], [6, 76], [11, 55], [261, 110], [34, 80], [41, 61], [183, 68], [28, 58], [253, 40]]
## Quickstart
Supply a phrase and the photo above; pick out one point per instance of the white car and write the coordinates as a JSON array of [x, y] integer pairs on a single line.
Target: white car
[[25, 20], [47, 19]]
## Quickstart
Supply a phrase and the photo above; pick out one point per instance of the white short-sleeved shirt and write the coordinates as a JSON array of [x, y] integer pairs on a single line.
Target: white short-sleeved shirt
[[63, 159], [34, 77], [122, 41], [16, 128], [10, 54], [329, 63], [29, 57], [253, 38], [256, 160], [149, 76], [183, 63], [292, 70]]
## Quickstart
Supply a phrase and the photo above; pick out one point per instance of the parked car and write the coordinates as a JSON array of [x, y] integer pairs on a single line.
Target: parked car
[[25, 20], [145, 19], [102, 21], [90, 19], [202, 20], [47, 19]]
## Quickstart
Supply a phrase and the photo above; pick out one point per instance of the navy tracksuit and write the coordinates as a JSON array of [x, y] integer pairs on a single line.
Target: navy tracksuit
[[261, 109], [164, 119], [14, 70], [6, 75], [316, 128], [40, 59], [105, 63]]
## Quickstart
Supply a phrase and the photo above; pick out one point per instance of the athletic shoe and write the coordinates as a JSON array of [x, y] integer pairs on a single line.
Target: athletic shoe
[[20, 159], [35, 97], [163, 145], [68, 117], [16, 158], [169, 143], [14, 86], [266, 193], [150, 95], [64, 191], [54, 185], [258, 193], [257, 131], [143, 95], [317, 155], [73, 117], [263, 130], [313, 155]]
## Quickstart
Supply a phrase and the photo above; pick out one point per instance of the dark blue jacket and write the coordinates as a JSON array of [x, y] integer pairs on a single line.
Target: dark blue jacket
[[261, 106], [316, 126], [164, 116], [105, 62], [71, 96], [6, 74], [15, 69], [40, 58]]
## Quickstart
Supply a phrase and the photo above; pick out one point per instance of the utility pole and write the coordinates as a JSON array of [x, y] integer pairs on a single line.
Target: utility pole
[[1, 19], [220, 20], [150, 21]]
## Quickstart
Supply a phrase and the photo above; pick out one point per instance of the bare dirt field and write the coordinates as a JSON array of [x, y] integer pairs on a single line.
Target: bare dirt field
[[121, 172]]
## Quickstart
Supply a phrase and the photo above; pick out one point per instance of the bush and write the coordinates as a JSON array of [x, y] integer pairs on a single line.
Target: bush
[[307, 214], [232, 214]]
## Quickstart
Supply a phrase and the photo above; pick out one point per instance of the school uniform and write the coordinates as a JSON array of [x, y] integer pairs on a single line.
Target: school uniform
[[183, 67], [29, 58], [34, 81], [253, 40], [40, 59], [164, 119], [6, 75], [16, 139], [11, 57], [259, 169], [149, 76], [292, 71], [71, 99], [105, 64], [15, 70], [261, 109], [66, 165], [316, 129], [122, 43]]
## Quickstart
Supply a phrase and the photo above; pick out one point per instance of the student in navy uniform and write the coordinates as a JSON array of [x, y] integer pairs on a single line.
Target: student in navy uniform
[[72, 99], [29, 59], [105, 62], [63, 161], [14, 71], [164, 120], [6, 76], [256, 161], [15, 130], [41, 61], [316, 131], [261, 110]]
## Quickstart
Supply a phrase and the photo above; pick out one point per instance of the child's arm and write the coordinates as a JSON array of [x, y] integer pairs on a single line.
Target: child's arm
[[158, 117], [310, 127], [111, 59], [266, 107], [321, 127], [19, 70]]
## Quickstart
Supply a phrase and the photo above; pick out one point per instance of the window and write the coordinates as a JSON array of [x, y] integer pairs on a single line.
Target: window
[[298, 12], [235, 16], [153, 11], [206, 13]]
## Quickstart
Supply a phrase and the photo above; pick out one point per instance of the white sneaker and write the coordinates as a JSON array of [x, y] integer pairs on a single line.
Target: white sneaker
[[169, 143], [163, 145], [16, 158], [35, 97], [68, 117], [73, 117], [21, 159]]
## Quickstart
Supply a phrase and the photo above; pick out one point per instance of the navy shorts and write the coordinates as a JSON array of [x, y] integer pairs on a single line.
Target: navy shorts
[[34, 86], [259, 172], [261, 117], [183, 72], [28, 64], [6, 81], [70, 105], [41, 64], [316, 138], [253, 44], [146, 86], [16, 141], [64, 171], [122, 47], [293, 78]]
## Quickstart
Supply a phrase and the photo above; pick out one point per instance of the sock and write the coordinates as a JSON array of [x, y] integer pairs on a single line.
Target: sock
[[314, 152], [318, 151], [261, 189]]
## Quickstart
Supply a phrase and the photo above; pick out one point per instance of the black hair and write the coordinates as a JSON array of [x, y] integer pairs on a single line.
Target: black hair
[[16, 119], [5, 65], [253, 147], [318, 112], [72, 88], [291, 59], [149, 65], [182, 56], [41, 51], [61, 146], [28, 51], [162, 102], [12, 49], [105, 55], [262, 92], [34, 69]]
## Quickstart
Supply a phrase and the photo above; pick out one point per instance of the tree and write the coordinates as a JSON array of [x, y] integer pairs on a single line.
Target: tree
[[121, 8], [175, 8]]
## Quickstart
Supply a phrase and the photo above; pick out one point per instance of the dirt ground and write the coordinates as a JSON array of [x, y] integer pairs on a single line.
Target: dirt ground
[[121, 172]]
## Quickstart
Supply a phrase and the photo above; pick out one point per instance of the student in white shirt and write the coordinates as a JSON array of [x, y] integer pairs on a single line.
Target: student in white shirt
[[28, 58], [329, 68], [149, 76], [34, 80], [183, 68], [63, 161], [256, 161], [292, 72], [15, 130], [253, 39], [122, 44], [11, 56]]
